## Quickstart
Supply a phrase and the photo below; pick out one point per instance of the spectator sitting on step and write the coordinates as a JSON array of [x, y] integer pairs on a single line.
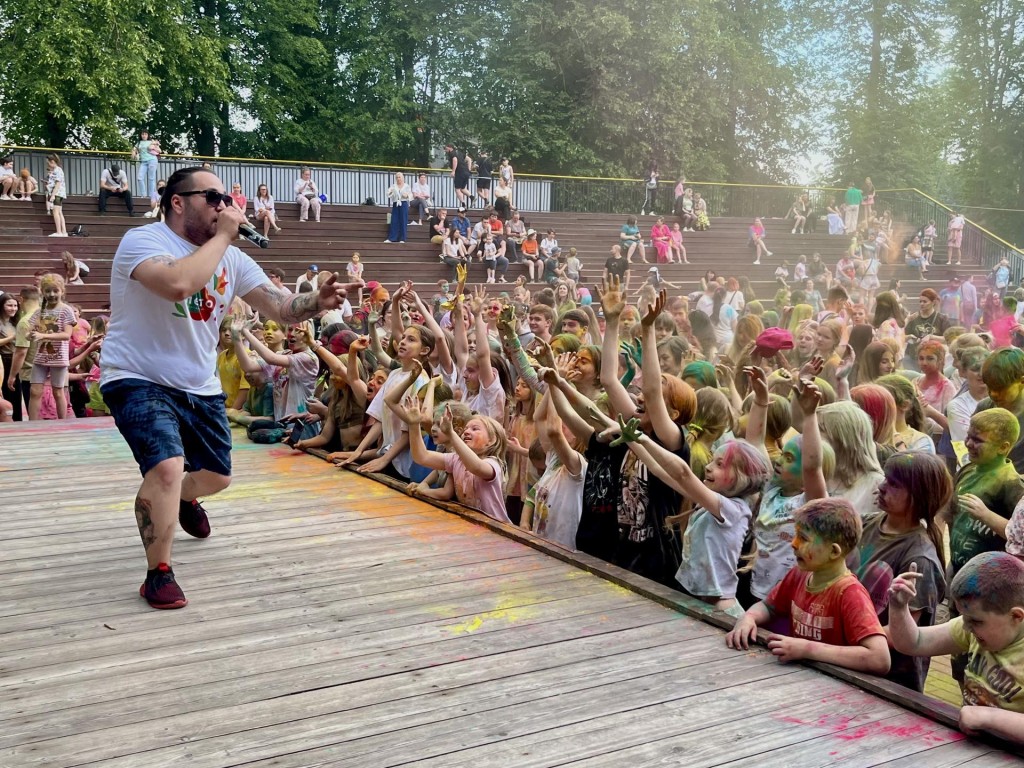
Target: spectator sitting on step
[[263, 207], [631, 240], [531, 253], [309, 276], [7, 178], [307, 195], [700, 208], [114, 183], [439, 225], [756, 241], [476, 235], [836, 225], [276, 275], [460, 222], [515, 229], [421, 201], [236, 194], [25, 186]]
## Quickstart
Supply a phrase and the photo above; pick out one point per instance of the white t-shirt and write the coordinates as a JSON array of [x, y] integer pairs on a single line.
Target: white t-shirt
[[303, 279], [706, 304], [490, 401], [341, 315], [959, 412], [712, 549], [392, 427], [295, 383], [110, 180], [558, 502], [774, 531], [170, 343], [421, 190], [861, 494], [724, 326], [5, 171]]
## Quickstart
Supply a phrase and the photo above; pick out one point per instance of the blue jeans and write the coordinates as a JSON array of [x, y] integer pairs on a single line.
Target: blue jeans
[[398, 229], [147, 180], [161, 423]]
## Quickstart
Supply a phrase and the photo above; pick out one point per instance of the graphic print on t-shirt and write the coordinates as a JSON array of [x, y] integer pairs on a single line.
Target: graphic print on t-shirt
[[200, 306]]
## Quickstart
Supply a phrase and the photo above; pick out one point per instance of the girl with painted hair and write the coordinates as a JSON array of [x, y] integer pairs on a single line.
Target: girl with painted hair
[[910, 421], [722, 499], [917, 487], [858, 473]]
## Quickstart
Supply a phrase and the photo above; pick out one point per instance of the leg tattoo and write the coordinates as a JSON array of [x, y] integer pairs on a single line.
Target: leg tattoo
[[144, 518]]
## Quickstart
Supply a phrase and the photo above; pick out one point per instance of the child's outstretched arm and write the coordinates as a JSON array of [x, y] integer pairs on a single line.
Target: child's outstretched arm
[[757, 420], [552, 429], [274, 358], [476, 465], [356, 384], [613, 302], [808, 397], [483, 347], [594, 329], [383, 358], [411, 413], [459, 331], [397, 326], [444, 355], [669, 468], [665, 428], [904, 633], [1000, 722], [577, 410]]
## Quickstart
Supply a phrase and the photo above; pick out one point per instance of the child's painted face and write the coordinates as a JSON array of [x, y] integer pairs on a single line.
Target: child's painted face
[[522, 391], [585, 365], [273, 336], [225, 337], [886, 365], [994, 631], [1007, 397], [410, 345], [573, 327], [472, 374], [437, 434], [973, 379], [982, 448], [929, 362], [717, 476], [789, 468], [475, 436], [51, 296], [296, 339], [375, 383], [892, 498], [812, 553]]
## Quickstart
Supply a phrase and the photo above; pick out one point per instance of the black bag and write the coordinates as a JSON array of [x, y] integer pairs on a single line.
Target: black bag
[[79, 231], [369, 201]]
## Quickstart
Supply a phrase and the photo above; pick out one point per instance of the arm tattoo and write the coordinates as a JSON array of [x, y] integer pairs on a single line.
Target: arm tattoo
[[144, 517], [167, 261], [299, 307]]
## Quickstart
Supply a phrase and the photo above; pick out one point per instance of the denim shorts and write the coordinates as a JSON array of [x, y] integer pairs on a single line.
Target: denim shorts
[[160, 423]]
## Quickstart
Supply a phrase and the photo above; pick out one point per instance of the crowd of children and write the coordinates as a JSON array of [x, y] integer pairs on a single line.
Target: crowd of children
[[831, 474]]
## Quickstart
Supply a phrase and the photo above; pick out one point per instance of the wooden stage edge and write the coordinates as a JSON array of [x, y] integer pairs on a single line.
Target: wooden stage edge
[[336, 622]]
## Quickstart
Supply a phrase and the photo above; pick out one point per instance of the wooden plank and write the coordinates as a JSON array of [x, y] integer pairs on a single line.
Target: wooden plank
[[409, 698]]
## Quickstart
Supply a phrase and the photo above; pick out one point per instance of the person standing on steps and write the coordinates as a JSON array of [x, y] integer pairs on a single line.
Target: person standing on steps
[[462, 166], [854, 197], [484, 171], [171, 286], [147, 152]]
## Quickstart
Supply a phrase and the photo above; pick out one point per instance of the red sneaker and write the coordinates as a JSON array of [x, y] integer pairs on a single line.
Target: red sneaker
[[161, 590], [193, 519]]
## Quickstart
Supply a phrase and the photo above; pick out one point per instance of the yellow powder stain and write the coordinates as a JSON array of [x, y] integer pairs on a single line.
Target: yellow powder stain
[[507, 611]]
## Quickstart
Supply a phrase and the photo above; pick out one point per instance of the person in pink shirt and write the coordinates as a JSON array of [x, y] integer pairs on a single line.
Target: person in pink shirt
[[677, 251], [236, 194], [661, 238]]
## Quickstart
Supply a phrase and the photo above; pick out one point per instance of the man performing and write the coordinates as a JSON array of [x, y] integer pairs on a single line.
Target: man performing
[[171, 286]]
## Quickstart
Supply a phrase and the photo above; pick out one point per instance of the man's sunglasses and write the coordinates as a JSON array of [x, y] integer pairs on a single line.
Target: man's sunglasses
[[213, 197]]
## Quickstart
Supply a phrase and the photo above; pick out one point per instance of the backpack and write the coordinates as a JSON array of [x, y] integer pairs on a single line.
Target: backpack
[[79, 231]]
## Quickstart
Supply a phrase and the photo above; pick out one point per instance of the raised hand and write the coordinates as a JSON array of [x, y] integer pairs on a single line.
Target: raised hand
[[476, 301], [655, 309], [808, 396], [758, 383], [610, 292], [903, 588], [543, 354], [548, 375], [565, 364], [507, 319], [461, 273], [409, 410], [812, 368], [846, 364], [446, 425], [724, 373], [629, 431], [332, 293], [359, 344]]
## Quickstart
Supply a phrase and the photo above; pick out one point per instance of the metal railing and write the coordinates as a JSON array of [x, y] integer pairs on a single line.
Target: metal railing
[[342, 185], [353, 184], [914, 207]]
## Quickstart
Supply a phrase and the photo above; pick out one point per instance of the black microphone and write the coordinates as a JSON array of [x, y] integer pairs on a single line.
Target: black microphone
[[246, 230]]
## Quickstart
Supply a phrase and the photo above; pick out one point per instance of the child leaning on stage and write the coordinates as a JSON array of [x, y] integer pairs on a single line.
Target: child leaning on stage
[[832, 617], [989, 595], [476, 461]]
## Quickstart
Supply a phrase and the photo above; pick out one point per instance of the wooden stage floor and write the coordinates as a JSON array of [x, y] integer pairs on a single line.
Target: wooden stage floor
[[334, 622]]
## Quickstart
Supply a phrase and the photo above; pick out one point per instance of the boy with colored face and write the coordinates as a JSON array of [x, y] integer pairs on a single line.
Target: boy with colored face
[[989, 632], [1003, 374], [831, 614]]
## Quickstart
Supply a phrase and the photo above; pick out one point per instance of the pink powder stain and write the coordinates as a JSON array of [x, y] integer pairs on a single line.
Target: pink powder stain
[[847, 729]]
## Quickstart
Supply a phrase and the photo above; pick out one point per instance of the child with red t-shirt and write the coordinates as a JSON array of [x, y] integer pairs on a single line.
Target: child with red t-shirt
[[831, 614]]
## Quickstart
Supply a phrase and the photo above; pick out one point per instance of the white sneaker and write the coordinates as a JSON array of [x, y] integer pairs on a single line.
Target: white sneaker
[[490, 279], [793, 232], [149, 214], [55, 234], [5, 197], [769, 254]]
